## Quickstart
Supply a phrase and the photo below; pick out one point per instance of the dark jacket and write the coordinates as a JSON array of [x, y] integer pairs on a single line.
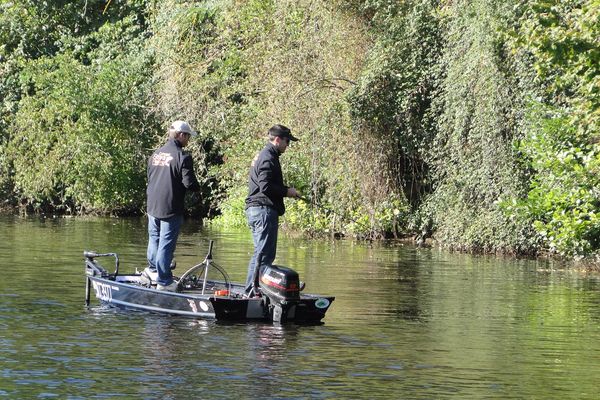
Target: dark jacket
[[170, 174], [265, 184]]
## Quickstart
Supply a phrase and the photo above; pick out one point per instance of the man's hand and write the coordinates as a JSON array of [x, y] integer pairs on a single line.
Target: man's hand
[[292, 192]]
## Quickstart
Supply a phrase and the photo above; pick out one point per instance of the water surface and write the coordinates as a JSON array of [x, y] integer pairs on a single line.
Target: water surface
[[406, 323]]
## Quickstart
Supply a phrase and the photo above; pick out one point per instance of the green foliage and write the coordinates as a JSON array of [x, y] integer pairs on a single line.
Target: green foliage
[[30, 29], [562, 37], [477, 115], [561, 144], [232, 210], [78, 138], [565, 190], [391, 104], [473, 121]]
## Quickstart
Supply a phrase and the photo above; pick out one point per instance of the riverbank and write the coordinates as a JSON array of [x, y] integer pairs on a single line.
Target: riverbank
[[584, 265]]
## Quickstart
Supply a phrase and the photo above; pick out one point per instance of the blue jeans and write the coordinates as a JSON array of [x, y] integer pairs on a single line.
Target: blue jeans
[[162, 239], [264, 223]]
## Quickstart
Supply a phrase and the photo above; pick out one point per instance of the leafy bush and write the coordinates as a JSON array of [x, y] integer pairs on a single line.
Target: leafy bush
[[565, 189], [561, 145], [79, 138]]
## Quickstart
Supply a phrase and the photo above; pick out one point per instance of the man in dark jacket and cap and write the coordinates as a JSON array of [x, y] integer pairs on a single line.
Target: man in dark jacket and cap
[[264, 204]]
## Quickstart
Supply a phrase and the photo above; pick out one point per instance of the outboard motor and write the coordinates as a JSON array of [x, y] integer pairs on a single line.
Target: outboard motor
[[281, 286]]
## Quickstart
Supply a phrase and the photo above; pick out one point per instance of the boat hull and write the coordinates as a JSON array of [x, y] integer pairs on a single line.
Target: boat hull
[[130, 295], [127, 291]]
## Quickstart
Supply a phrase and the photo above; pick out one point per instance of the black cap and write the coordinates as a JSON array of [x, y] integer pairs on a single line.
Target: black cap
[[281, 131]]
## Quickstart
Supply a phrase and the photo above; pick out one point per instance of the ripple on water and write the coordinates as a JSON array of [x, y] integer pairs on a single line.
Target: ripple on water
[[414, 323]]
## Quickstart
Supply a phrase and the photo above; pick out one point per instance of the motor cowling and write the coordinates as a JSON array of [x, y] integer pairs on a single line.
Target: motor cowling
[[282, 286]]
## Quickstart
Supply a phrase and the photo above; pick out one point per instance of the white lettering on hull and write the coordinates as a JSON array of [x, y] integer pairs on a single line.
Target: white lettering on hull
[[104, 290]]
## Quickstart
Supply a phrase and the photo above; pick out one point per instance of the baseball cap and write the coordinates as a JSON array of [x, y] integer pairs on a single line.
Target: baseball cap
[[182, 126], [282, 131]]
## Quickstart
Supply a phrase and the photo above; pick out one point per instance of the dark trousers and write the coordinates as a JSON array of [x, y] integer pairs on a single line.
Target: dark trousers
[[264, 223]]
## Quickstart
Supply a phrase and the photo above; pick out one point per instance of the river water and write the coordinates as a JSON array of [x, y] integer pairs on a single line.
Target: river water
[[406, 323]]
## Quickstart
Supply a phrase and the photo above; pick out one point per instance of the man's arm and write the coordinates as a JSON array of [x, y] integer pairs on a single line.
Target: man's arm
[[187, 174]]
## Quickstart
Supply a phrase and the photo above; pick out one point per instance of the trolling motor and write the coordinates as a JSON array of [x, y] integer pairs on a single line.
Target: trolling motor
[[94, 269]]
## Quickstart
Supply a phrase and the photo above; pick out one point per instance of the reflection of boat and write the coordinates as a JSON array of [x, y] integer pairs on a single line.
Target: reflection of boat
[[205, 291]]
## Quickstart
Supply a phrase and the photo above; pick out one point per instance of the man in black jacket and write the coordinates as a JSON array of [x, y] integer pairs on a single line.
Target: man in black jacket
[[264, 204], [170, 175]]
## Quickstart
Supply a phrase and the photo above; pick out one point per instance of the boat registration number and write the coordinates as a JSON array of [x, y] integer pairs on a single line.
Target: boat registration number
[[104, 291]]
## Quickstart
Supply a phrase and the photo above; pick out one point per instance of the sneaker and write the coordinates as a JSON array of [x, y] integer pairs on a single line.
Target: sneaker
[[152, 274], [145, 281], [171, 287], [148, 276]]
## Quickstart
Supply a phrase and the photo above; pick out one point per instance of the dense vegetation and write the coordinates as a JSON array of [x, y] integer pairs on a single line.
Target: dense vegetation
[[472, 121]]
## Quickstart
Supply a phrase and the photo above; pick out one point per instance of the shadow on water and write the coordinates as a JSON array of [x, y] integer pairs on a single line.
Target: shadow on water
[[406, 323]]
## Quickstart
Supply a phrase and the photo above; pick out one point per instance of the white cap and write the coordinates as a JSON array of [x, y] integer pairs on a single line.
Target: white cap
[[182, 126]]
